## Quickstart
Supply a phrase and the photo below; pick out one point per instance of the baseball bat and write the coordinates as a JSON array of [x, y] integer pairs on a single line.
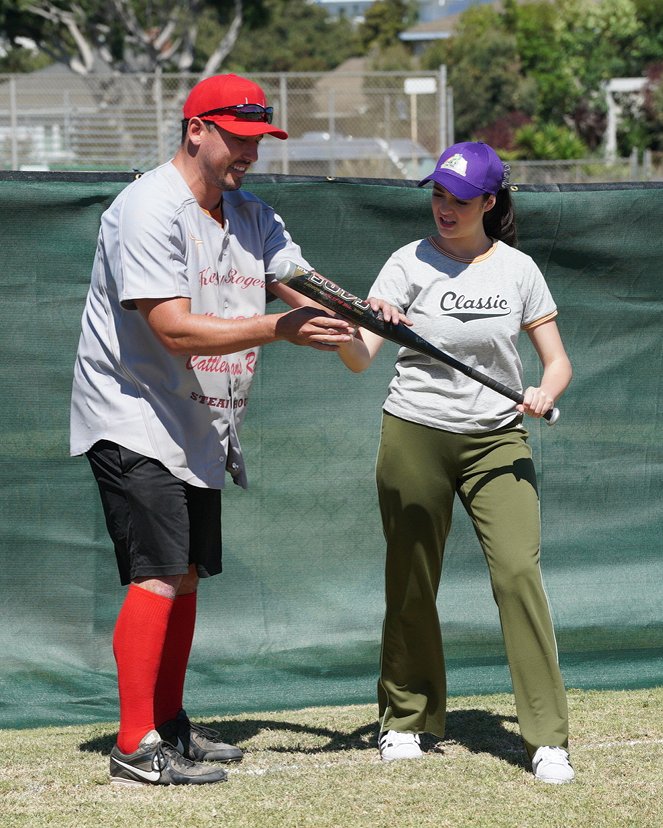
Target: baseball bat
[[352, 308]]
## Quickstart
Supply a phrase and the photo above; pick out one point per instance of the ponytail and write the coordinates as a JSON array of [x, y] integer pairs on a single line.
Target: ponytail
[[500, 222]]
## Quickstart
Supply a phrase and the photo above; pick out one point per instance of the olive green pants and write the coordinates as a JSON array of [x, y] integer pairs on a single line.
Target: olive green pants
[[419, 471]]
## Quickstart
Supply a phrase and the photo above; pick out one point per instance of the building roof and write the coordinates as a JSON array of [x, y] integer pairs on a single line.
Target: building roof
[[444, 25], [431, 29]]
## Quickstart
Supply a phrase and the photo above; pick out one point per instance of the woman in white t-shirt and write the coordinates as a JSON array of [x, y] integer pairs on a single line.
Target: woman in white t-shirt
[[468, 290]]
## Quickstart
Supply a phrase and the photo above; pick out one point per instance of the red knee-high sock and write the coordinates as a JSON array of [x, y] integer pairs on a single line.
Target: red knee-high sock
[[169, 693], [138, 643]]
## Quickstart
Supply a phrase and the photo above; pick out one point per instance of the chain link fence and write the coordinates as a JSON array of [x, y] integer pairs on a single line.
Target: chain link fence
[[645, 167], [341, 124]]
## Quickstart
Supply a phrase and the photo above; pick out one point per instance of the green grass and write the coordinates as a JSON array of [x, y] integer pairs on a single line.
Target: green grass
[[319, 767]]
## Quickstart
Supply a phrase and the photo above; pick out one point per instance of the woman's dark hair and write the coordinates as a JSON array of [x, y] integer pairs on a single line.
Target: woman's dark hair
[[500, 222]]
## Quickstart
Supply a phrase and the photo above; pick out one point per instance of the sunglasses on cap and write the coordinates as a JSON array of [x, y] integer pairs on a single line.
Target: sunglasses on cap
[[247, 112]]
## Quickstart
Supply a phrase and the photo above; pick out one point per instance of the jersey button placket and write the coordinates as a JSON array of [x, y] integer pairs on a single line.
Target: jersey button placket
[[233, 466]]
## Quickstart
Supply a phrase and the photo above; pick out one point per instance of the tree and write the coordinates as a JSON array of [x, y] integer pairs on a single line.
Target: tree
[[654, 109], [384, 20], [570, 49], [292, 35], [538, 141], [93, 36], [485, 74], [648, 49], [539, 31], [641, 122], [549, 61]]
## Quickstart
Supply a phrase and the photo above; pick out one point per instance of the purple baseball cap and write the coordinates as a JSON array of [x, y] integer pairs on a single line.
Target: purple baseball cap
[[468, 170]]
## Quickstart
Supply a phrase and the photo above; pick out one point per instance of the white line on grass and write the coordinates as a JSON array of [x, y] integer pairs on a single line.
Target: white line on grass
[[627, 743]]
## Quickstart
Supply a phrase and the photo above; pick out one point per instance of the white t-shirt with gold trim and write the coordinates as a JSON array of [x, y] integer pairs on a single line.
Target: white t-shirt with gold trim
[[472, 310]]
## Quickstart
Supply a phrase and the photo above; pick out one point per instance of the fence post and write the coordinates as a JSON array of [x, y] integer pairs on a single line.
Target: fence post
[[66, 125], [443, 110], [387, 117], [283, 117], [13, 122], [451, 138], [331, 123], [158, 102]]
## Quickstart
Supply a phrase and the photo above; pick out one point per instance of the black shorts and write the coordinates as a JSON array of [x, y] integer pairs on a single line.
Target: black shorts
[[158, 523]]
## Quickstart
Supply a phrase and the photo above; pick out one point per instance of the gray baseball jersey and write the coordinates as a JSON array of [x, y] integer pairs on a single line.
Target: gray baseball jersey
[[473, 311], [156, 242]]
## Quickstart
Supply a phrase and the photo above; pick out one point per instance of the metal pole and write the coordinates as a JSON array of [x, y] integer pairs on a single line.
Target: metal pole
[[67, 124], [13, 123], [283, 94], [332, 132], [443, 126], [158, 101], [451, 139], [414, 133], [387, 117]]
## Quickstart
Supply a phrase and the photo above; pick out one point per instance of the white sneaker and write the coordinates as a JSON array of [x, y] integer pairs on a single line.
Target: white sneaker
[[551, 764], [395, 745]]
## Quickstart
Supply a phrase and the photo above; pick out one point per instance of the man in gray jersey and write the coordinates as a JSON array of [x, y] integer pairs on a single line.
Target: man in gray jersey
[[171, 332]]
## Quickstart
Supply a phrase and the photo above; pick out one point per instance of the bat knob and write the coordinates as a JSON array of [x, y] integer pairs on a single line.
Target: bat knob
[[552, 416], [287, 270]]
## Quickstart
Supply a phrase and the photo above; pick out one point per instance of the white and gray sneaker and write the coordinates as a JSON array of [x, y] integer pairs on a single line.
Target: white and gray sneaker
[[551, 764], [156, 762], [395, 745]]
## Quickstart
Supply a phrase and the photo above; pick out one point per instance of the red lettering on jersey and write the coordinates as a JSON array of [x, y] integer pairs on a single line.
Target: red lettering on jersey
[[215, 365], [207, 277]]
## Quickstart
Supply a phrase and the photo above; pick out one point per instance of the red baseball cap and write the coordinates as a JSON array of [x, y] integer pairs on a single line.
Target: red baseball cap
[[246, 111]]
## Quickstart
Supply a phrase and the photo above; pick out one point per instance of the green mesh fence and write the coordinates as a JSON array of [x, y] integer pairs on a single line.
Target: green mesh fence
[[295, 618]]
